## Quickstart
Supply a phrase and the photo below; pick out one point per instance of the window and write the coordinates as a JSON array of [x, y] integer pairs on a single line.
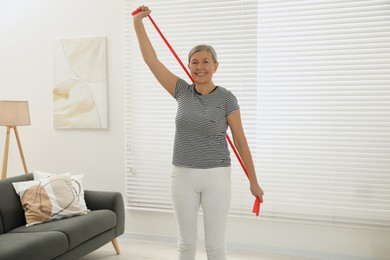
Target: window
[[313, 83]]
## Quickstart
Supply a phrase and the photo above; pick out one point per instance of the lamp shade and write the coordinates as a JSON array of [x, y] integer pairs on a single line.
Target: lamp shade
[[14, 113]]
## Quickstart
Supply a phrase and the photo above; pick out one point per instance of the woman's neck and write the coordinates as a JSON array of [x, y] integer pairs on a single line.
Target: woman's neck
[[205, 89]]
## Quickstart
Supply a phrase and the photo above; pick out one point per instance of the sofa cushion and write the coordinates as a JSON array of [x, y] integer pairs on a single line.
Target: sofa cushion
[[78, 229], [33, 246], [11, 210]]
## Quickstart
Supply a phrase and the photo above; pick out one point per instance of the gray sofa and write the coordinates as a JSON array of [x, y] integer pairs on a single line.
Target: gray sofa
[[69, 238]]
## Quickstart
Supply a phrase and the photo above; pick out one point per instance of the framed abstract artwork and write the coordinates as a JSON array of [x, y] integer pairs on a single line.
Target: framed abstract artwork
[[80, 83]]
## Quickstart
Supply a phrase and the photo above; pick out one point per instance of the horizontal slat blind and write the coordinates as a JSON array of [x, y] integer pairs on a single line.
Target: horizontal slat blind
[[324, 111], [313, 83]]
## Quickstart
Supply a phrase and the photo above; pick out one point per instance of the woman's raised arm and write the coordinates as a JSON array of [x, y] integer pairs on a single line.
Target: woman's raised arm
[[166, 78]]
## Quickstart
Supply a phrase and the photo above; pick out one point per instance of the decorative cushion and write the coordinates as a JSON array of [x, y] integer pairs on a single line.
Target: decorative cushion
[[48, 199], [77, 182]]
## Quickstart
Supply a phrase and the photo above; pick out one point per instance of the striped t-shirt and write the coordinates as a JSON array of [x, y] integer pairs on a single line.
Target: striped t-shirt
[[201, 124]]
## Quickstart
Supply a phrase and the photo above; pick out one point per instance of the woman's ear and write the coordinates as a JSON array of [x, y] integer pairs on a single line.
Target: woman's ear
[[216, 66]]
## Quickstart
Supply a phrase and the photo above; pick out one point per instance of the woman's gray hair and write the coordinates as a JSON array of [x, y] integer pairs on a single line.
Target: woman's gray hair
[[203, 47]]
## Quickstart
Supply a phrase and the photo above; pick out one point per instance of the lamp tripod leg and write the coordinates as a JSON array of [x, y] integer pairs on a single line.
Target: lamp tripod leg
[[5, 157], [20, 149]]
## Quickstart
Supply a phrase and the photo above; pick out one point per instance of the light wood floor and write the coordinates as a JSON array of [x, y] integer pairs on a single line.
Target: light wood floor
[[136, 249]]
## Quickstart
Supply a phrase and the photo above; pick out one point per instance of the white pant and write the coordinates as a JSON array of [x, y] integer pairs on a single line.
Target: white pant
[[210, 188]]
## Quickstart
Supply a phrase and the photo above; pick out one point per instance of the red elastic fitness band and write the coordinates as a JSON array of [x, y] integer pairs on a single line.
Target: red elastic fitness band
[[256, 205]]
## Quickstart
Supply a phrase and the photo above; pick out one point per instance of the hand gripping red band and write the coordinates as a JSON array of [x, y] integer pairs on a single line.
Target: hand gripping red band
[[256, 205]]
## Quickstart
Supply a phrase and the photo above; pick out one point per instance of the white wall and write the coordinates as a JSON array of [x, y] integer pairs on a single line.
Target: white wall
[[26, 30]]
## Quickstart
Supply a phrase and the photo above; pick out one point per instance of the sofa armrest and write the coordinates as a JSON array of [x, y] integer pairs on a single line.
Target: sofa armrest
[[113, 201]]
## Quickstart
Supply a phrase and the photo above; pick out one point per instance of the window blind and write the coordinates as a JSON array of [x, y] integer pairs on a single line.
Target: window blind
[[313, 83]]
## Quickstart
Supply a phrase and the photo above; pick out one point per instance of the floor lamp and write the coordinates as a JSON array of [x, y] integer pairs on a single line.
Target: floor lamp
[[13, 114]]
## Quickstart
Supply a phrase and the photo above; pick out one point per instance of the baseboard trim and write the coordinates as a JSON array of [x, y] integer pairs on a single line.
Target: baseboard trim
[[251, 248]]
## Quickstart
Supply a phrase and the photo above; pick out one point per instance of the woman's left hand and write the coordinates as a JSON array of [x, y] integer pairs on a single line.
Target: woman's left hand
[[257, 191]]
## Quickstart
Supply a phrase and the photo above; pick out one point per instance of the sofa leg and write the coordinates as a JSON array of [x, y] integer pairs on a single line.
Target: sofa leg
[[116, 246]]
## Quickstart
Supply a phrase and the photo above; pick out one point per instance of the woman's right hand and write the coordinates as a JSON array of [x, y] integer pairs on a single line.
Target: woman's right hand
[[145, 11]]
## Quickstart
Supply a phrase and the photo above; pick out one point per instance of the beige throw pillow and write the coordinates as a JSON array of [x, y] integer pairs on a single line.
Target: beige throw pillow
[[48, 199], [77, 182]]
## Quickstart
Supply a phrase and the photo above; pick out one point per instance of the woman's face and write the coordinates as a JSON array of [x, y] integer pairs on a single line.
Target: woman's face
[[202, 67]]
